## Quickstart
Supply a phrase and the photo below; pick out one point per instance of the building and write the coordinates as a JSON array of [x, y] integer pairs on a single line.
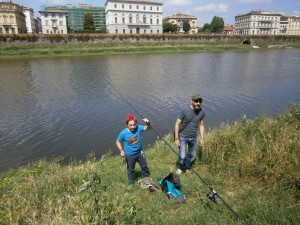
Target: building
[[29, 18], [54, 21], [228, 29], [283, 24], [75, 15], [179, 19], [12, 18], [258, 23], [293, 27], [38, 25], [133, 17]]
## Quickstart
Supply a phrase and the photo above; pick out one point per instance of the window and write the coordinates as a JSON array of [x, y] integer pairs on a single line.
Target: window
[[131, 31], [144, 7], [151, 8], [137, 7], [130, 18], [157, 8], [116, 31], [1, 30], [130, 6], [144, 19], [11, 19], [13, 31], [123, 6], [151, 31], [116, 19], [61, 23], [46, 15], [150, 21], [137, 18], [47, 31], [5, 19], [123, 31], [46, 22], [157, 21], [115, 6], [157, 32], [123, 20], [62, 31], [144, 31]]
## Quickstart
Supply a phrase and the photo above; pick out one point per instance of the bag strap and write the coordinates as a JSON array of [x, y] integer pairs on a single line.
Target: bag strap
[[185, 125]]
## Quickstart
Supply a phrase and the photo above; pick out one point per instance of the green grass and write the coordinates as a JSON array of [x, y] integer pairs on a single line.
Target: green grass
[[253, 165], [110, 49]]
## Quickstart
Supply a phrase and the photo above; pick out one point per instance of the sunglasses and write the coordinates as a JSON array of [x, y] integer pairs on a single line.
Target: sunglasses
[[198, 100]]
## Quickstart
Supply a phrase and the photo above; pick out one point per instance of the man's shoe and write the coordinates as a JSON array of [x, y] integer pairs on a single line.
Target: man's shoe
[[179, 171]]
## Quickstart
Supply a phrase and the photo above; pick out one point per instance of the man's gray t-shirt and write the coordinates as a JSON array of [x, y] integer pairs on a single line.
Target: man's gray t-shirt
[[191, 129]]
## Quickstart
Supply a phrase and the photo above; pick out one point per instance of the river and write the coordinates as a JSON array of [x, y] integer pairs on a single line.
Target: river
[[72, 106]]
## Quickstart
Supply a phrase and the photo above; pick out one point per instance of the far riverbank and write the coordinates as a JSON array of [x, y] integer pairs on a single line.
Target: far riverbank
[[24, 46]]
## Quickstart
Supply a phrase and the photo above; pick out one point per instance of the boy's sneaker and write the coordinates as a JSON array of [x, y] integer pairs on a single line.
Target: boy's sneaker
[[179, 171], [130, 186]]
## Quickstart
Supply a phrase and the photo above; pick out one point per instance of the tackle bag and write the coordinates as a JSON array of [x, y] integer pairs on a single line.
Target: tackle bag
[[171, 186]]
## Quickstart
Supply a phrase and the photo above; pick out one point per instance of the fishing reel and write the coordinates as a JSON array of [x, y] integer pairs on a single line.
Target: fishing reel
[[211, 196]]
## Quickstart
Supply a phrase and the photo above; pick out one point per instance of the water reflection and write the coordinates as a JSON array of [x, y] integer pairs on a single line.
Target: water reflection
[[72, 106]]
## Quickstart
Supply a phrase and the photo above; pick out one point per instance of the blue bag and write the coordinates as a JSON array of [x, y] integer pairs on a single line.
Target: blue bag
[[171, 186]]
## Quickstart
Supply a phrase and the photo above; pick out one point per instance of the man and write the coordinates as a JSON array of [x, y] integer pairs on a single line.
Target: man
[[186, 129], [133, 150]]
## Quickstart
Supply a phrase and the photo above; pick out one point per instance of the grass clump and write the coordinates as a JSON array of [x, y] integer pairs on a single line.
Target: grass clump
[[252, 164]]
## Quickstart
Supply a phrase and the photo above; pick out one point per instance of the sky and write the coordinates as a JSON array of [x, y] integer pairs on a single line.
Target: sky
[[204, 10]]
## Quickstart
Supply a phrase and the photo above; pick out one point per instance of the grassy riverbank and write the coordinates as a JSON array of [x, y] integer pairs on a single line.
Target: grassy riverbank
[[253, 164], [110, 49]]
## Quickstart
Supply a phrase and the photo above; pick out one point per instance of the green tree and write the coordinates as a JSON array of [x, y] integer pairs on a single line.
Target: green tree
[[169, 27], [186, 26], [88, 23], [205, 29], [217, 24]]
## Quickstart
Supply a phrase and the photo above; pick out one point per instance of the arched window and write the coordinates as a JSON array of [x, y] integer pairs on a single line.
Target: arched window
[[138, 19], [144, 19], [130, 18]]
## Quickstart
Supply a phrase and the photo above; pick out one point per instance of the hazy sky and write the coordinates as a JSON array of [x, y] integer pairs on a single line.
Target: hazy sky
[[204, 10]]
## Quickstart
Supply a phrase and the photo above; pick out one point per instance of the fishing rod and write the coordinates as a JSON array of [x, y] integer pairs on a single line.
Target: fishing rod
[[211, 196]]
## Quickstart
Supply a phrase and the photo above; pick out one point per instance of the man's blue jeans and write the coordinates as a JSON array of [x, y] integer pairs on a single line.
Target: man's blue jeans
[[185, 161]]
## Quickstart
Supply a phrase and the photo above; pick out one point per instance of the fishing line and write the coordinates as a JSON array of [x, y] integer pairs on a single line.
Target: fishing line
[[213, 193]]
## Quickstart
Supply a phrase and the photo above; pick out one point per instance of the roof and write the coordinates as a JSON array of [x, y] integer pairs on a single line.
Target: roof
[[52, 11], [181, 16], [136, 1], [228, 28], [264, 13]]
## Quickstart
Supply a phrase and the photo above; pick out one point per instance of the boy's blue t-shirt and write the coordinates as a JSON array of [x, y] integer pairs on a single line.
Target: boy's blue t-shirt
[[132, 140]]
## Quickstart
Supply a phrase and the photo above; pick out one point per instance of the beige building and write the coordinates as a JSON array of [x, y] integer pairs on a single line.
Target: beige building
[[179, 18], [54, 22], [12, 18], [293, 26], [257, 23]]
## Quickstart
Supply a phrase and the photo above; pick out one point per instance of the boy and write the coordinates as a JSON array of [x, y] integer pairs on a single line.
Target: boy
[[133, 150]]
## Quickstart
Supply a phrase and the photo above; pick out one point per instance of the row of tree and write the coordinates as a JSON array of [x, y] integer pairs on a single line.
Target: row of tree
[[216, 26]]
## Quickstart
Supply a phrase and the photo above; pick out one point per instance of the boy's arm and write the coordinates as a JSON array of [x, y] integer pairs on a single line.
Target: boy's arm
[[119, 146]]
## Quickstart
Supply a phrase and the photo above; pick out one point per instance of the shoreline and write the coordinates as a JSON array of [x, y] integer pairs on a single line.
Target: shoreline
[[19, 52]]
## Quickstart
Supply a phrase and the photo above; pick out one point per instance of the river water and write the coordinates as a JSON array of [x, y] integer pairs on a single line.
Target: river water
[[73, 106]]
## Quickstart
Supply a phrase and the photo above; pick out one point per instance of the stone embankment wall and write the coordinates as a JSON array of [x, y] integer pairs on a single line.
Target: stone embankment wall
[[79, 39]]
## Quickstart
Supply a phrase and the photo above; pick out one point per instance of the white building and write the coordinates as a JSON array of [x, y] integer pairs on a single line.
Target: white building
[[293, 27], [257, 23], [29, 19], [133, 17], [54, 22]]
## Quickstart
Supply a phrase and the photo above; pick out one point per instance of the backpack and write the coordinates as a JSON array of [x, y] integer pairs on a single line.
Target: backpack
[[171, 186]]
